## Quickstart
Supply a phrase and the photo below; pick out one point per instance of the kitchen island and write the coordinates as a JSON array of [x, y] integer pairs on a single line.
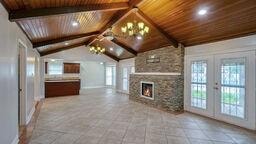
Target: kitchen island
[[56, 88]]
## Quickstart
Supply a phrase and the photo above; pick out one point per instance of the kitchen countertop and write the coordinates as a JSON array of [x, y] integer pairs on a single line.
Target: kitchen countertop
[[61, 80]]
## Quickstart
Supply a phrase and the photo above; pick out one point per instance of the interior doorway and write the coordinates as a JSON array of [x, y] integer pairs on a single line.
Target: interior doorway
[[21, 84]]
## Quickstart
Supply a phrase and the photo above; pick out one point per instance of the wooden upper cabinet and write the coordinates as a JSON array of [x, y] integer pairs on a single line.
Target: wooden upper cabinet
[[71, 68]]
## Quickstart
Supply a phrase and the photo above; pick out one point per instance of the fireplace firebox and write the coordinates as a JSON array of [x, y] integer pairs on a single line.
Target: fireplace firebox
[[147, 90]]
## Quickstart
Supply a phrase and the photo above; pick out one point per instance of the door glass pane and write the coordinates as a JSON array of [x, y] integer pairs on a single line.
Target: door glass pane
[[108, 75], [55, 67], [198, 84], [233, 87], [125, 79], [132, 70]]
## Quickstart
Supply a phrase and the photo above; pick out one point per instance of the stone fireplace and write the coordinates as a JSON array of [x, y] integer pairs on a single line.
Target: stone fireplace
[[158, 79], [147, 90]]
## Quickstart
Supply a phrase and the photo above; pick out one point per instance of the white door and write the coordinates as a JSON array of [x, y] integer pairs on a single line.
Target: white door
[[199, 86], [234, 88], [223, 87], [125, 78]]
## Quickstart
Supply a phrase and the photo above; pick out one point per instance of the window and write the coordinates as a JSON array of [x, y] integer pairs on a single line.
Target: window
[[198, 84], [55, 68], [125, 79], [110, 75], [132, 69]]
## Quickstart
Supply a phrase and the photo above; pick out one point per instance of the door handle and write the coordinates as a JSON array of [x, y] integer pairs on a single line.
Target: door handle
[[216, 88]]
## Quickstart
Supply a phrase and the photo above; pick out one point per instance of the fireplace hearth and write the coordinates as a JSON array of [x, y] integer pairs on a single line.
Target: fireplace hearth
[[147, 90]]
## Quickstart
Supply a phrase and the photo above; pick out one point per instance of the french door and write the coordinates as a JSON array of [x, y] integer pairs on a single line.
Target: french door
[[223, 87], [199, 85]]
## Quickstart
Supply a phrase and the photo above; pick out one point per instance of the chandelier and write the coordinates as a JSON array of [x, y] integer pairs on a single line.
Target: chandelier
[[97, 50], [135, 29]]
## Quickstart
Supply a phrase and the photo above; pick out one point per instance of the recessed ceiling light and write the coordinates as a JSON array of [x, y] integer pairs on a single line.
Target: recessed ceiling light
[[66, 43], [111, 49], [75, 23], [53, 60], [202, 12], [139, 37], [101, 63]]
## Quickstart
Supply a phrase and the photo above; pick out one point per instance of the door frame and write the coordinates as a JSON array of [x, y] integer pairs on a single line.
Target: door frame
[[22, 49]]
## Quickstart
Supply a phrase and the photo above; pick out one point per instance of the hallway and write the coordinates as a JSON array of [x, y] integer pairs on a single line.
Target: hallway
[[101, 116]]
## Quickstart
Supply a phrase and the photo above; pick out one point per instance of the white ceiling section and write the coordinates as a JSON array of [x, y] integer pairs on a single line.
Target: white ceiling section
[[79, 54]]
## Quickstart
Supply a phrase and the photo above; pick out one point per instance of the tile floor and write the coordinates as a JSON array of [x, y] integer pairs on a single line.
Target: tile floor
[[101, 116]]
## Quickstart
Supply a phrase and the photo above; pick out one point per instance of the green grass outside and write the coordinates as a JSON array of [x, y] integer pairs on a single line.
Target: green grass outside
[[228, 98]]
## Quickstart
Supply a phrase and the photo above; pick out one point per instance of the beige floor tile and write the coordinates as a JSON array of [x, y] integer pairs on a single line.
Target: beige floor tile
[[177, 140], [114, 134], [243, 139], [66, 139], [218, 136], [198, 134], [155, 139], [200, 141], [174, 132], [47, 138], [87, 140]]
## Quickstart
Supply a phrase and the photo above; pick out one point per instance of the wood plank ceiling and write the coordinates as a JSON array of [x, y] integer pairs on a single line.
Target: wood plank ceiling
[[48, 23]]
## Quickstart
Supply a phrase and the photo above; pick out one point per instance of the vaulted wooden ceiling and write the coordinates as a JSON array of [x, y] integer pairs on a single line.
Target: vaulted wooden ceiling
[[48, 23]]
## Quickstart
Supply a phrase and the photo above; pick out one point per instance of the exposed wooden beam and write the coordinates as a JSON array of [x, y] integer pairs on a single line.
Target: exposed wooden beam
[[42, 12], [169, 38], [75, 46], [133, 3], [59, 40], [111, 56], [124, 46], [118, 16], [5, 5], [62, 49]]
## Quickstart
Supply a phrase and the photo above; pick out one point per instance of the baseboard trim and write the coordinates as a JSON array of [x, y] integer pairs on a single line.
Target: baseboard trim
[[30, 115], [93, 87], [16, 140], [38, 98], [123, 92]]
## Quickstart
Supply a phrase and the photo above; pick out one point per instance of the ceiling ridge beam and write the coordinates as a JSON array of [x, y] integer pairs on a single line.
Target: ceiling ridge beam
[[145, 18], [134, 3], [129, 49], [118, 16], [111, 56], [63, 39], [42, 12]]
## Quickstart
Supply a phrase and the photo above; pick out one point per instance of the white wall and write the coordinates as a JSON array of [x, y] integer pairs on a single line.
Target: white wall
[[9, 36], [128, 63], [32, 84], [238, 44], [79, 54], [92, 74]]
